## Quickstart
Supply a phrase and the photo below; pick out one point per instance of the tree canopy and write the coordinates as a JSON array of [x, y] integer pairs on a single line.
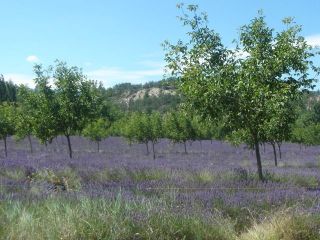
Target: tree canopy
[[246, 92]]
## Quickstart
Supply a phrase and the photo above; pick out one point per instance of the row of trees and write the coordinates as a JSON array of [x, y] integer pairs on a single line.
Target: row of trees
[[63, 103]]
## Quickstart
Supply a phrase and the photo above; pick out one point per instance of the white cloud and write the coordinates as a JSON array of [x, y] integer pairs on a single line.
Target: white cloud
[[18, 79], [313, 40], [112, 76], [32, 59]]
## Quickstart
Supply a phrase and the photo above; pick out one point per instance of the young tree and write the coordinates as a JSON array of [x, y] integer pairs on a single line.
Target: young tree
[[24, 115], [137, 129], [246, 92], [73, 102], [97, 131], [44, 106], [155, 129], [6, 124], [178, 128]]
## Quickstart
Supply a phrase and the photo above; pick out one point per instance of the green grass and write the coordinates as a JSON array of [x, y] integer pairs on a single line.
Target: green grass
[[60, 218], [85, 218]]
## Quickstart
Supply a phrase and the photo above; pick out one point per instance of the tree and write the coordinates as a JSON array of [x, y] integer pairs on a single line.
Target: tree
[[6, 123], [71, 105], [44, 104], [245, 92], [178, 128], [97, 131], [24, 115], [155, 129], [137, 129]]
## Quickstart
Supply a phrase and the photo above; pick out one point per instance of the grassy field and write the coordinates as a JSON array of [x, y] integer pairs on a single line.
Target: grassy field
[[121, 193]]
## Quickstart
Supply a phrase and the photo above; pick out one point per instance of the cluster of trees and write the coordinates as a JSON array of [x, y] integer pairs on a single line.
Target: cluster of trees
[[177, 126], [63, 102]]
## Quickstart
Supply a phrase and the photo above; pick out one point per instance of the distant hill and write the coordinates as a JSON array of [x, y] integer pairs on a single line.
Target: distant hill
[[153, 96]]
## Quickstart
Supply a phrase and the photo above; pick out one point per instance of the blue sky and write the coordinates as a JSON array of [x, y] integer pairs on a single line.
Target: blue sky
[[120, 41]]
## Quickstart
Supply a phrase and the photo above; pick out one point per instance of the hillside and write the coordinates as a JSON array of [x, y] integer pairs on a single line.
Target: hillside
[[160, 96]]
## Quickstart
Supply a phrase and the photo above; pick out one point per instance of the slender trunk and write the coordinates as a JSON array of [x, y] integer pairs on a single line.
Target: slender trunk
[[279, 148], [154, 154], [30, 144], [185, 147], [147, 146], [98, 143], [69, 146], [274, 153], [258, 156], [211, 141], [5, 146], [264, 147]]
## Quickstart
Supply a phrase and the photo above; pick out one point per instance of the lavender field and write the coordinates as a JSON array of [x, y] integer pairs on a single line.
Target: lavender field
[[214, 186]]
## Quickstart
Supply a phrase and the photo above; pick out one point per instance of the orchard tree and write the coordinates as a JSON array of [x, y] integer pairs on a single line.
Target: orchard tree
[[24, 115], [137, 129], [97, 131], [71, 104], [178, 128], [246, 91], [155, 129], [44, 105], [6, 123]]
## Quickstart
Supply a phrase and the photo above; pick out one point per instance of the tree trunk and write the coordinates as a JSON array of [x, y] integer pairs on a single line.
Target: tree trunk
[[274, 153], [264, 147], [279, 148], [5, 146], [30, 144], [98, 143], [154, 154], [185, 147], [258, 157], [69, 146], [147, 146]]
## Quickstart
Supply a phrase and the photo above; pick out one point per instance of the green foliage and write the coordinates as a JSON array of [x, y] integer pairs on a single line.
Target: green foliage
[[76, 98], [8, 91], [247, 93], [178, 127], [97, 130], [67, 108], [6, 123], [136, 128]]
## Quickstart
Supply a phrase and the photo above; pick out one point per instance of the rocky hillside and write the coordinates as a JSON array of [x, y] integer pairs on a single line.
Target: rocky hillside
[[159, 96]]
